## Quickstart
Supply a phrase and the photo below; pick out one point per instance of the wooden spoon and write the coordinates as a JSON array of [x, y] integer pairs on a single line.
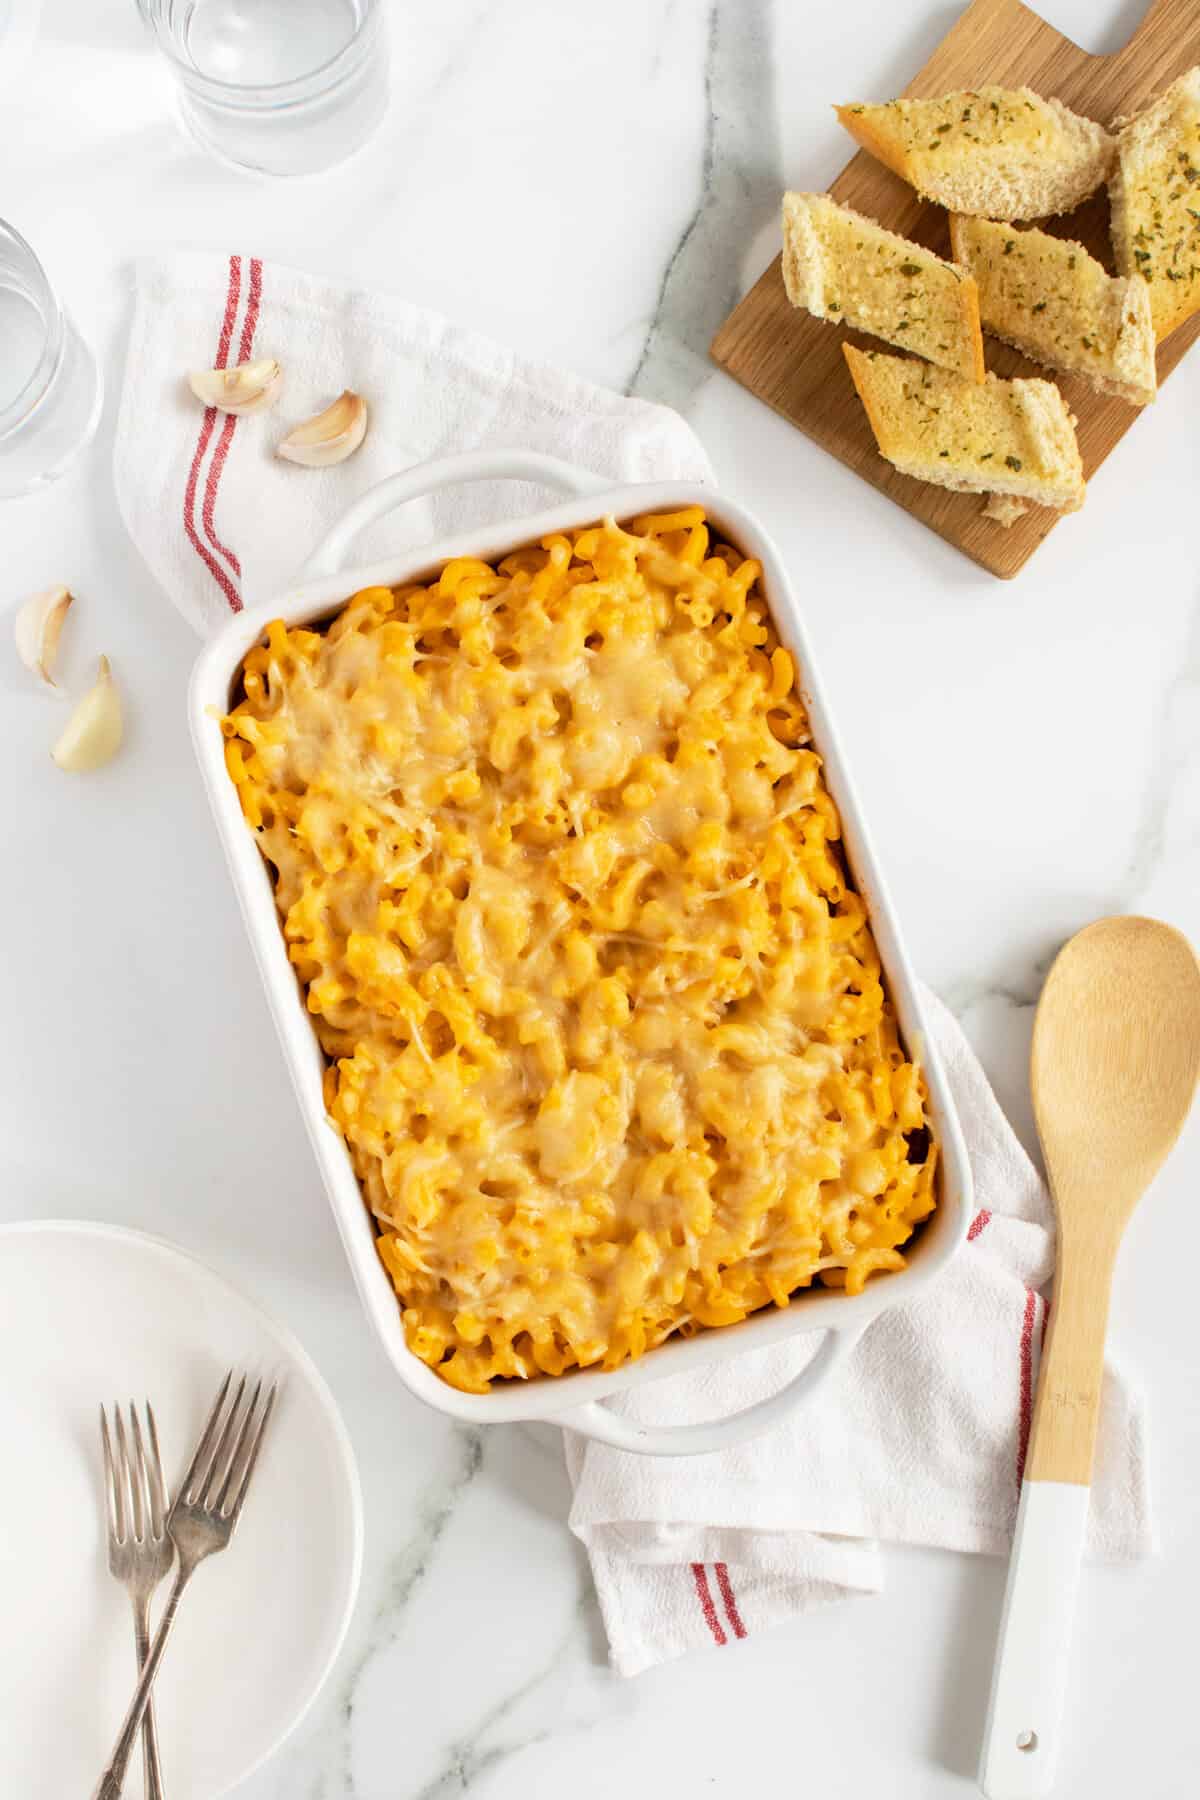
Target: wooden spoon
[[1116, 1056]]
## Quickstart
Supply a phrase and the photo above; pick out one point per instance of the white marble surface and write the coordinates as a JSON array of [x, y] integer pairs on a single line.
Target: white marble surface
[[596, 183]]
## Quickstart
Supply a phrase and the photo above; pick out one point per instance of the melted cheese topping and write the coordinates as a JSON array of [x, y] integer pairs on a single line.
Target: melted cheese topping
[[558, 870]]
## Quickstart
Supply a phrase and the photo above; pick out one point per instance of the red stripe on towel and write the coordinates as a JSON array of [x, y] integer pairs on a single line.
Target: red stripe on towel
[[704, 1595], [207, 426], [215, 470], [231, 306], [978, 1222], [217, 466], [1025, 1414], [731, 1606]]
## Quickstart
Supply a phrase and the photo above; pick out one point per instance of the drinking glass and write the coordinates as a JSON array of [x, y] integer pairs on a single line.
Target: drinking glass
[[50, 387], [279, 87]]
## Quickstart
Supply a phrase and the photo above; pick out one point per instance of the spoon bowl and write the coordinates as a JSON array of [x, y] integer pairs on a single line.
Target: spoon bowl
[[1116, 1055]]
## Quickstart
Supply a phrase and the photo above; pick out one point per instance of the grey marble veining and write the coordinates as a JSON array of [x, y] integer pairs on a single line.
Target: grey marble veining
[[409, 1566], [559, 1692], [738, 184], [1168, 825]]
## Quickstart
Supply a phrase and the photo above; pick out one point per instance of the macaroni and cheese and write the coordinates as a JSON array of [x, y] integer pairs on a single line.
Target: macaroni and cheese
[[606, 1032]]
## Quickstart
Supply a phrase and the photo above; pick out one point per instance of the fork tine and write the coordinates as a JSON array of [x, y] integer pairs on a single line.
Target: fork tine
[[160, 1504], [127, 1483], [141, 1484], [137, 1478], [237, 1458], [255, 1447], [201, 1450], [113, 1508], [219, 1459]]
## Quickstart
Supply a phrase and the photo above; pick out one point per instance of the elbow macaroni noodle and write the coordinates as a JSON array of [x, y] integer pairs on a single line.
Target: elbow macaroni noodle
[[606, 1033]]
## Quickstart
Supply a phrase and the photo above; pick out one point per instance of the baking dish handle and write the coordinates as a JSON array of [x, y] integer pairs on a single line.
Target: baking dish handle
[[600, 1421], [428, 477]]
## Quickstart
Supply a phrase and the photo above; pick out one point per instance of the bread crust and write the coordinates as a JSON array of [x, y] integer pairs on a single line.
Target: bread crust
[[885, 149], [972, 322], [802, 257], [859, 363]]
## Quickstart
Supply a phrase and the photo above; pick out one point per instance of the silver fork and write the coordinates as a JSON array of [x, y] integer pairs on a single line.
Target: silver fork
[[203, 1519], [140, 1551]]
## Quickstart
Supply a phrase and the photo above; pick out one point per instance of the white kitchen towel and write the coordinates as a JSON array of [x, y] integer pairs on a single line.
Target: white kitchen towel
[[919, 1438], [224, 523]]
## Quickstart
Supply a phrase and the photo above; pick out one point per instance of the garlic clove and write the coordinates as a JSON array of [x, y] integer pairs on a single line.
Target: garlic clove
[[93, 732], [38, 627], [248, 388], [331, 437]]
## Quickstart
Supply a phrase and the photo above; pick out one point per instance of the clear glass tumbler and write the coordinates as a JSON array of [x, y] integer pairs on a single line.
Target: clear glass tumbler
[[50, 387], [279, 87]]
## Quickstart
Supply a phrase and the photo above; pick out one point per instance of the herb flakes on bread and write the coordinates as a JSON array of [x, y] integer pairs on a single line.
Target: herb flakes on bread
[[1155, 195], [842, 266], [998, 437], [1051, 300], [1003, 153]]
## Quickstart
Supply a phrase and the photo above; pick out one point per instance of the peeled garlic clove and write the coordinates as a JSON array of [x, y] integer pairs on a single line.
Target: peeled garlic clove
[[93, 732], [249, 388], [38, 628], [331, 437]]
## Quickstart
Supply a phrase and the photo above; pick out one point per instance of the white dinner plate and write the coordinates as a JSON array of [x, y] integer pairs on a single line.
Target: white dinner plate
[[91, 1313]]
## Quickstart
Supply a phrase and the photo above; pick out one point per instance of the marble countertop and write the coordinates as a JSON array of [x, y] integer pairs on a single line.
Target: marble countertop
[[596, 184]]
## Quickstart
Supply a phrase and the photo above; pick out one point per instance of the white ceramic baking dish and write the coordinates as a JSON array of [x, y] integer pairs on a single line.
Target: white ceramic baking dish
[[576, 1399]]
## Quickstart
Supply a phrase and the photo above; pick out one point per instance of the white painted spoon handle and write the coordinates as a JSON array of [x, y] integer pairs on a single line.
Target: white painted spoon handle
[[1020, 1739]]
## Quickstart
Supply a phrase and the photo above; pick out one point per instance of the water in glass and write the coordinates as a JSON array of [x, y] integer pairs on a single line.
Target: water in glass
[[280, 87], [252, 43], [22, 336], [50, 387]]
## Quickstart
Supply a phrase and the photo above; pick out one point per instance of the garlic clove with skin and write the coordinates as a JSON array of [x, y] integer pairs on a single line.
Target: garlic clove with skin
[[247, 388], [92, 735], [38, 627], [330, 437]]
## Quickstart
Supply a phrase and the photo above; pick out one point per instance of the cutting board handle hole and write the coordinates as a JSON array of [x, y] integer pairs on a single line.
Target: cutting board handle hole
[[1027, 1741], [1099, 36]]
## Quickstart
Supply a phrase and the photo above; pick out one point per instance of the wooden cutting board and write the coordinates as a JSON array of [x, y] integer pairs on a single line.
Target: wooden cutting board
[[795, 363]]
